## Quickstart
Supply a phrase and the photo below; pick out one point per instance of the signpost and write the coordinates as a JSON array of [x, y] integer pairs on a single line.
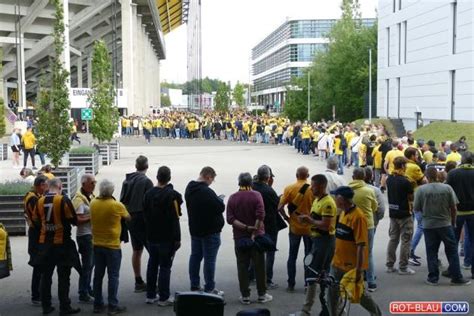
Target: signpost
[[86, 115]]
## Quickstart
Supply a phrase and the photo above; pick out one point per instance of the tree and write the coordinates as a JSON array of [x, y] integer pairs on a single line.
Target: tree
[[222, 99], [296, 105], [105, 115], [54, 127], [238, 94], [165, 100], [2, 104]]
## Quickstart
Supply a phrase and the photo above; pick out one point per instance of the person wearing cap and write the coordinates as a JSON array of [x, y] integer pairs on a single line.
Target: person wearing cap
[[270, 201], [351, 250], [400, 196], [323, 229], [298, 200]]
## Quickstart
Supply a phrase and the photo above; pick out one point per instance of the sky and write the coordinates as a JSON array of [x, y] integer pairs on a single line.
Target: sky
[[231, 28]]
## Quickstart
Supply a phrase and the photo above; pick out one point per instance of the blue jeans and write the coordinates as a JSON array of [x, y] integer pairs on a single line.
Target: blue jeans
[[467, 248], [467, 220], [295, 241], [371, 270], [306, 146], [433, 239], [110, 259], [340, 169], [207, 248], [355, 159], [418, 232], [161, 257], [86, 250]]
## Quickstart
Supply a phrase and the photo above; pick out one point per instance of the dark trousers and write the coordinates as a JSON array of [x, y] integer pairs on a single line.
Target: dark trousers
[[295, 241], [64, 272], [269, 261], [433, 239], [33, 235], [205, 248], [29, 152], [160, 262], [468, 222], [86, 251], [110, 259], [243, 261]]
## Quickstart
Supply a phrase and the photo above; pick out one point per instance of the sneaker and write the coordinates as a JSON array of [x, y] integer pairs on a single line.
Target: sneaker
[[48, 310], [372, 287], [412, 255], [461, 281], [391, 270], [151, 300], [36, 302], [406, 271], [272, 286], [265, 298], [414, 262], [466, 267], [197, 289], [140, 287], [85, 299], [116, 310], [244, 300], [432, 283], [290, 289], [34, 168], [446, 274], [216, 292], [168, 302], [99, 309], [69, 311]]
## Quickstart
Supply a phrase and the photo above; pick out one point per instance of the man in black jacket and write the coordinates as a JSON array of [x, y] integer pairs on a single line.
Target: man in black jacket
[[162, 209], [205, 217], [134, 187], [270, 202]]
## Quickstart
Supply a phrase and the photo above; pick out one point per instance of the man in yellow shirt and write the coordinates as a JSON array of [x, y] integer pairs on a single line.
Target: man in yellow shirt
[[391, 155], [29, 143], [454, 155], [377, 155], [106, 215], [323, 230], [306, 137], [299, 200]]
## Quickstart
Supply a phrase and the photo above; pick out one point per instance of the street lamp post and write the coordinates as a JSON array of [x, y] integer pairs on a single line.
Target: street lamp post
[[370, 85], [309, 95]]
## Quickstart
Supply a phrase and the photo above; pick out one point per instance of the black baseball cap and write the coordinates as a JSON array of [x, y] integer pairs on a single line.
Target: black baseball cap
[[344, 191]]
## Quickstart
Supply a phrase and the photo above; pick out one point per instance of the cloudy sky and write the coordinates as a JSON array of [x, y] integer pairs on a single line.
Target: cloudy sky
[[230, 28]]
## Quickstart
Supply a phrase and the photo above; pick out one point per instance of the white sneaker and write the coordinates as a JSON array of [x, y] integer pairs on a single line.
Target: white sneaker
[[216, 292], [406, 271], [265, 298], [151, 300], [244, 300], [168, 302], [391, 270]]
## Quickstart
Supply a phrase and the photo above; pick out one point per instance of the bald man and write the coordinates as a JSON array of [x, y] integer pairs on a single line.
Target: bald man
[[298, 198]]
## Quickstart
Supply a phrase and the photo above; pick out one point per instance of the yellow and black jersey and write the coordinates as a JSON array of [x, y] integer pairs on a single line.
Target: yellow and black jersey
[[29, 203], [56, 214]]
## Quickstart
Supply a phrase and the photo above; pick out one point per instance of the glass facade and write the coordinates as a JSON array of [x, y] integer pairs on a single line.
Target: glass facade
[[311, 28], [277, 79]]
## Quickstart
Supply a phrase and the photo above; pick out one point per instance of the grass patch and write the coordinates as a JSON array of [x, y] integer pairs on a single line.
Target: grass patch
[[82, 150], [14, 188], [443, 131], [385, 122]]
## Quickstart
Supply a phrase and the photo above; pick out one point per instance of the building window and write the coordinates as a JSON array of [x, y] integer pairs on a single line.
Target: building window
[[405, 41], [399, 4], [387, 96], [394, 6], [388, 46], [452, 81], [398, 96], [399, 30], [454, 10]]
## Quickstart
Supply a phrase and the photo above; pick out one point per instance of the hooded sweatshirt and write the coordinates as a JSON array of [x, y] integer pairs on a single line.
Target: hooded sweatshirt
[[205, 209], [134, 187], [365, 199]]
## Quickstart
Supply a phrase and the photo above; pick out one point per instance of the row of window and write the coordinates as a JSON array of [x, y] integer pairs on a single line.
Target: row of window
[[277, 79], [289, 53], [402, 35]]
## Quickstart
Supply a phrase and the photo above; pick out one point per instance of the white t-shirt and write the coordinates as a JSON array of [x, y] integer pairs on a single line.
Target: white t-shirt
[[355, 143], [85, 228]]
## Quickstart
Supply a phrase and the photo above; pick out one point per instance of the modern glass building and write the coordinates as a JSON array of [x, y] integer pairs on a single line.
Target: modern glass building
[[284, 54]]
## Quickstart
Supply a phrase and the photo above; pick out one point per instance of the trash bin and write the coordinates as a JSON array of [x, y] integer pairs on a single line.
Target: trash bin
[[198, 303]]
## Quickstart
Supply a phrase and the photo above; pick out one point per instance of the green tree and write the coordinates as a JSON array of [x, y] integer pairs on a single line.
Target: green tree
[[222, 99], [165, 100], [296, 106], [238, 94], [105, 115], [2, 104], [54, 127]]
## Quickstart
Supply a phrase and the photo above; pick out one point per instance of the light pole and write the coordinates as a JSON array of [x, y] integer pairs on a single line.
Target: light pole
[[370, 85], [309, 94]]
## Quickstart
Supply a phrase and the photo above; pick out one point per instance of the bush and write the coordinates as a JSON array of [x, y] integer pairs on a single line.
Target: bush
[[14, 188], [82, 150]]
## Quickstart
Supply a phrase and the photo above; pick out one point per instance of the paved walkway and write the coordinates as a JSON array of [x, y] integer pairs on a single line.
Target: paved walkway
[[185, 163]]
